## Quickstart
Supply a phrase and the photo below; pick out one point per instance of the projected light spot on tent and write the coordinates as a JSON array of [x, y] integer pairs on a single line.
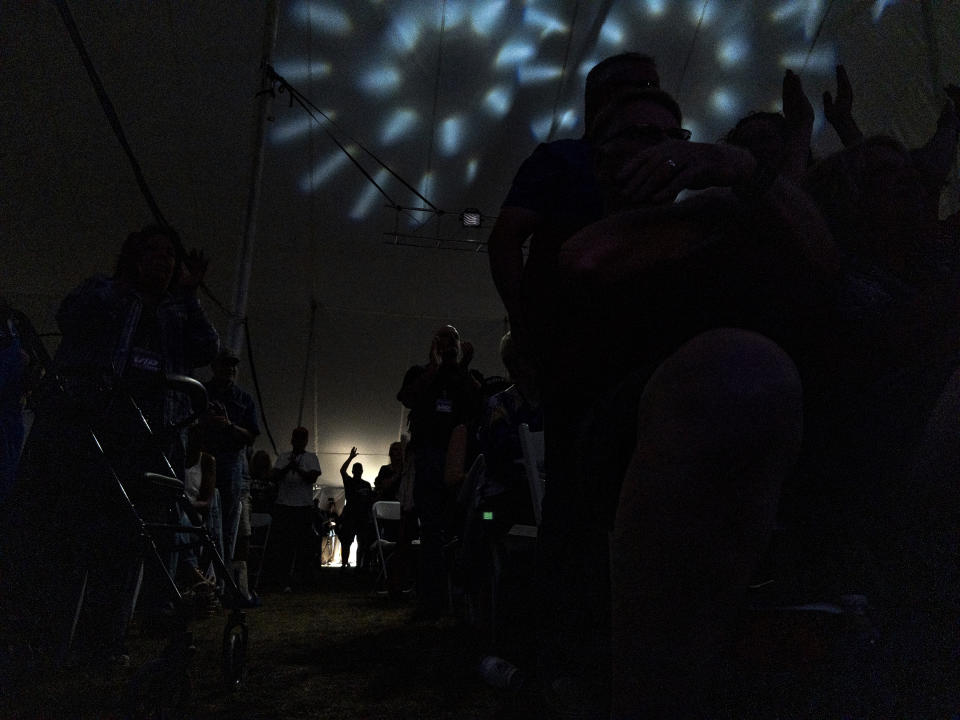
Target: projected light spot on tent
[[788, 10], [381, 81], [369, 196], [532, 74], [450, 135], [330, 166], [732, 51], [514, 52], [485, 17], [497, 101], [819, 61], [612, 32], [471, 173], [724, 103], [454, 13], [543, 21], [324, 18], [426, 187], [398, 126], [304, 71], [291, 129], [654, 8], [701, 13], [404, 34]]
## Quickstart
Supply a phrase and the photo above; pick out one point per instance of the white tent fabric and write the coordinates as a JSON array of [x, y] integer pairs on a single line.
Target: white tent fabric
[[450, 95]]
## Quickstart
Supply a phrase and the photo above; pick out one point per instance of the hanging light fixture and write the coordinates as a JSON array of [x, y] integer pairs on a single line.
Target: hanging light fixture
[[471, 217]]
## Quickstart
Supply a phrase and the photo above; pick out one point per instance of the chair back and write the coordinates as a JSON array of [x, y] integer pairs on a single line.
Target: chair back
[[532, 445]]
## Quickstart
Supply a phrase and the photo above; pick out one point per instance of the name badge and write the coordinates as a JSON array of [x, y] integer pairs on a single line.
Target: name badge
[[444, 405], [145, 360]]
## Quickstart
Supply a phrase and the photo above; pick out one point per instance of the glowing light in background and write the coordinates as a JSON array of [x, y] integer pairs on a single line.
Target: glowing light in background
[[330, 166], [544, 21], [529, 74], [369, 196], [724, 102], [381, 81], [323, 17], [811, 18], [486, 16], [498, 100], [732, 51], [514, 52], [454, 13], [451, 133], [540, 127], [400, 124]]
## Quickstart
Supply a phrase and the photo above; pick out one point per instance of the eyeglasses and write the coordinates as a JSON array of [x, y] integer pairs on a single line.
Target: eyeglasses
[[648, 134]]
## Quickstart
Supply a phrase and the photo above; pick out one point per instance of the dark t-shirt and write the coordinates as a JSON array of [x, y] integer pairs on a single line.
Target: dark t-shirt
[[450, 399], [557, 182]]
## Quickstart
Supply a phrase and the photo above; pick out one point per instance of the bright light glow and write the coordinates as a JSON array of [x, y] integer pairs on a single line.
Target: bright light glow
[[821, 60], [724, 102], [732, 51], [485, 16], [586, 66], [498, 100], [298, 71], [404, 34], [612, 32], [291, 129], [704, 9], [368, 196], [323, 17], [451, 135], [514, 52], [787, 10], [655, 7], [529, 74], [381, 81], [472, 165], [333, 163], [546, 22], [398, 125]]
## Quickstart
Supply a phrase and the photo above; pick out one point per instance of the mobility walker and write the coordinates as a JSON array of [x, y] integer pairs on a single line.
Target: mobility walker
[[128, 510]]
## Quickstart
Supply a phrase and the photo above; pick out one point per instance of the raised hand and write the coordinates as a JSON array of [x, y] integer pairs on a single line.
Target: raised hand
[[353, 453], [839, 111]]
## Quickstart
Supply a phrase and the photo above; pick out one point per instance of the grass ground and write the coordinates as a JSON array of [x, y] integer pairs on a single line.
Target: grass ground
[[338, 651]]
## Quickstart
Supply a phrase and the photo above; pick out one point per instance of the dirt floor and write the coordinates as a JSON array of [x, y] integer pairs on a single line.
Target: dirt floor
[[340, 650]]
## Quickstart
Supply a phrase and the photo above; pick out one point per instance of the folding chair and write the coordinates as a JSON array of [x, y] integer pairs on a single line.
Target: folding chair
[[531, 443], [258, 521], [384, 511]]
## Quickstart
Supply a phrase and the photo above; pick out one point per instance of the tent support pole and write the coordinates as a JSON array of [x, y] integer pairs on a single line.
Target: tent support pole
[[245, 259]]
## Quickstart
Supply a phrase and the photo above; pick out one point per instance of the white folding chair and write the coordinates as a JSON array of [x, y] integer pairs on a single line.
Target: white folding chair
[[259, 521], [531, 443], [384, 511]]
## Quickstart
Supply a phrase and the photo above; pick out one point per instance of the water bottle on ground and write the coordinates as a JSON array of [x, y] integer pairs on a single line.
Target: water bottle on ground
[[500, 673]]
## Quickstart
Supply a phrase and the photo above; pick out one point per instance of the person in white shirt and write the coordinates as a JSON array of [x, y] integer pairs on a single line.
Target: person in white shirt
[[295, 473]]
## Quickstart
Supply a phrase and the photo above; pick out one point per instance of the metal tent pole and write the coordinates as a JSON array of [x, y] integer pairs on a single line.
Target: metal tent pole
[[245, 259]]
